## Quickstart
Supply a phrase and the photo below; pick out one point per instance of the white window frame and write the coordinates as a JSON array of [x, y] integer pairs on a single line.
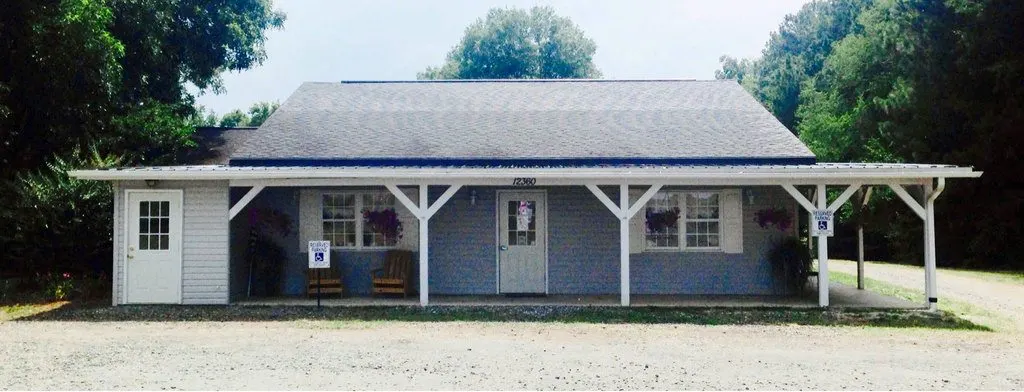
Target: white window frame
[[359, 220], [681, 196]]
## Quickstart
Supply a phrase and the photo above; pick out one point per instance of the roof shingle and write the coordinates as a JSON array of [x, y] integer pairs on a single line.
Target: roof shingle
[[521, 120]]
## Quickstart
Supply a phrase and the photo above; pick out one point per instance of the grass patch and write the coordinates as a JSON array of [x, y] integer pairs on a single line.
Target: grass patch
[[19, 311], [953, 307], [1012, 277], [564, 314]]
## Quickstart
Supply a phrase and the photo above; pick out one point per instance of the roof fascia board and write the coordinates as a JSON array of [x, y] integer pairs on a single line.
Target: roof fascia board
[[518, 162]]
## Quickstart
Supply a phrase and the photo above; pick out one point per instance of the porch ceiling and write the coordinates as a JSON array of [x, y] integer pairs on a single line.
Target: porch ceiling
[[832, 173]]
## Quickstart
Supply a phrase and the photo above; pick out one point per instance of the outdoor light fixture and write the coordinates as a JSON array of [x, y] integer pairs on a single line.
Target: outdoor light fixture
[[472, 197], [152, 183], [750, 197]]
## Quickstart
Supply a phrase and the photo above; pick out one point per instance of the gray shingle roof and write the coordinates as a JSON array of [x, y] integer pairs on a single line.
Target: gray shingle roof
[[533, 120]]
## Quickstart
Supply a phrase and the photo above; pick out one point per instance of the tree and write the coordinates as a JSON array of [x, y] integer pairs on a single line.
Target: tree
[[257, 114], [933, 81], [110, 76], [512, 43], [75, 72], [260, 111], [795, 53], [234, 118]]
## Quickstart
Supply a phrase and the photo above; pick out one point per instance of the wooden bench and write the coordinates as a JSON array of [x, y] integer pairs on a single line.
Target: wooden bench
[[396, 275], [329, 282]]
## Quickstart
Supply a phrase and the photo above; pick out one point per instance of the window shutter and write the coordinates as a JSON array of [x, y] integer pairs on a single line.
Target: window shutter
[[410, 224], [637, 230], [732, 221], [311, 217]]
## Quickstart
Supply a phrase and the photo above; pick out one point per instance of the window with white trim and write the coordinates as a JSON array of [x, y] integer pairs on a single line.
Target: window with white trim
[[683, 221], [374, 226]]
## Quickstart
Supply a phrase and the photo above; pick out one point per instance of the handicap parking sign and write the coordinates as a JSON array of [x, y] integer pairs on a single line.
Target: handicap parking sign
[[823, 223], [319, 254]]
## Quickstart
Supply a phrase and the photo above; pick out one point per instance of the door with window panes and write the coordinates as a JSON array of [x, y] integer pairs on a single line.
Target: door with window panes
[[522, 247], [153, 258]]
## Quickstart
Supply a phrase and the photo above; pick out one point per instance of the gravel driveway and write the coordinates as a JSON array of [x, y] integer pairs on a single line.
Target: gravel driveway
[[1003, 298], [396, 355]]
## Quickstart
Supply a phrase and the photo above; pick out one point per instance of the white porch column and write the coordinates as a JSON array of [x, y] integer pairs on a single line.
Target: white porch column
[[822, 253], [860, 237], [424, 246], [624, 211], [927, 214], [931, 289], [624, 245], [423, 212]]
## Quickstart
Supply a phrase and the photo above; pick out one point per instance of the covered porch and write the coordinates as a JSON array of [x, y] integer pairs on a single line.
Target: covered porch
[[622, 191]]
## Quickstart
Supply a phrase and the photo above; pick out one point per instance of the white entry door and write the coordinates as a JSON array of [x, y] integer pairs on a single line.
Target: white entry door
[[153, 259], [522, 244]]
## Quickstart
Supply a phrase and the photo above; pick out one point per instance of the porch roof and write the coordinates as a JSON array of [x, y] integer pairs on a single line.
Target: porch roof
[[738, 174]]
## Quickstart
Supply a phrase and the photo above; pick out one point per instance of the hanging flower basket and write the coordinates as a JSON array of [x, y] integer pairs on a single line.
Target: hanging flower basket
[[384, 222], [778, 217], [659, 222]]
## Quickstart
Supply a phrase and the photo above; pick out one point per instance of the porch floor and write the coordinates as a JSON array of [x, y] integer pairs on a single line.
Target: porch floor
[[840, 296]]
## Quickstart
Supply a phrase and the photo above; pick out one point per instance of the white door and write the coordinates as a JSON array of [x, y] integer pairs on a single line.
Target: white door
[[522, 242], [153, 258]]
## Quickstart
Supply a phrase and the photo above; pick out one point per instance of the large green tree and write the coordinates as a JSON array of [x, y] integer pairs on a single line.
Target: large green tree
[[76, 72], [794, 54], [109, 77], [512, 43], [933, 81]]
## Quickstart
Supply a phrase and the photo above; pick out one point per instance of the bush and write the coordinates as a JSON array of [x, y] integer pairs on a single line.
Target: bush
[[791, 263], [57, 223]]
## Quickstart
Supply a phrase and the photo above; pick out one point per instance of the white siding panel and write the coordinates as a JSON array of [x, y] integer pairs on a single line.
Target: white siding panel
[[205, 253]]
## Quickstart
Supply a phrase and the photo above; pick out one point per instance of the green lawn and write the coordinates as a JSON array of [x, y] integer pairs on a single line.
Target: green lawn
[[565, 314], [961, 309], [18, 311], [1014, 277]]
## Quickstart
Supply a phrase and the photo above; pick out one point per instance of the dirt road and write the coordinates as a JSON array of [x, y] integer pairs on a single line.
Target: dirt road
[[394, 355], [1004, 298]]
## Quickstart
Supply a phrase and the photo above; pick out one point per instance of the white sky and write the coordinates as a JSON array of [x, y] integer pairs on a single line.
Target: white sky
[[333, 40]]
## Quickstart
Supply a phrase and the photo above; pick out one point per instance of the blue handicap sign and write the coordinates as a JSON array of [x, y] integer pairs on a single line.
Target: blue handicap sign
[[319, 256], [822, 225]]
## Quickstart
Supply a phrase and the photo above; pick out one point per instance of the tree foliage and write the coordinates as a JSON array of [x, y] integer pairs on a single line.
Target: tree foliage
[[109, 76], [512, 43], [257, 114], [933, 81]]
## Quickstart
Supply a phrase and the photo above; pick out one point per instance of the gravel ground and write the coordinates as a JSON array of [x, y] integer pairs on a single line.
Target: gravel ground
[[1000, 297], [511, 355]]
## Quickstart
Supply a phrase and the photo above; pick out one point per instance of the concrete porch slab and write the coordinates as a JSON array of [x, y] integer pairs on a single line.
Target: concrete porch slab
[[840, 296]]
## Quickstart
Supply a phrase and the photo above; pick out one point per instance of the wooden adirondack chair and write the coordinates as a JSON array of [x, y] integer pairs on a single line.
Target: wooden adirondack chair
[[396, 275], [330, 282]]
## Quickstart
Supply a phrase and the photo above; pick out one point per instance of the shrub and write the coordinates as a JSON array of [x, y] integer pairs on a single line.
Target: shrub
[[791, 263]]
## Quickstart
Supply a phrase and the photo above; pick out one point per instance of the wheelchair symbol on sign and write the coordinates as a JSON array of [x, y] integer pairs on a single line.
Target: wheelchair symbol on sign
[[822, 225], [319, 256]]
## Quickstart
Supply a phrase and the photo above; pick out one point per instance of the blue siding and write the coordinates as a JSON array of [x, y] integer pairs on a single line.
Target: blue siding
[[583, 254]]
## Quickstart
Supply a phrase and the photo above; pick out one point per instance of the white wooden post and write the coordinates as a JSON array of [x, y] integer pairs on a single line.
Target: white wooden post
[[624, 211], [931, 289], [927, 214], [424, 246], [423, 213], [624, 245], [822, 252], [860, 238]]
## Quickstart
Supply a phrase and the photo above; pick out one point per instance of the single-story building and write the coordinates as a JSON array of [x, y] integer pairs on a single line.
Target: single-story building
[[518, 187]]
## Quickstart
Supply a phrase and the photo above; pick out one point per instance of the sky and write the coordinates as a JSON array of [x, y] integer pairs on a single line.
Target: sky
[[334, 40]]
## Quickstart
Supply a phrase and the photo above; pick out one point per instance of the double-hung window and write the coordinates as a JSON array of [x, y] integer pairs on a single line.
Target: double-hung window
[[684, 221], [359, 220]]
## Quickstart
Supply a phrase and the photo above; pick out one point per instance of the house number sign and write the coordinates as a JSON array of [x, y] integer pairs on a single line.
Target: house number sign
[[524, 181]]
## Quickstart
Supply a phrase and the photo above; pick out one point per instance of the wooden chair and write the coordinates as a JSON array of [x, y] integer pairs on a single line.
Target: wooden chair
[[396, 275], [330, 282]]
